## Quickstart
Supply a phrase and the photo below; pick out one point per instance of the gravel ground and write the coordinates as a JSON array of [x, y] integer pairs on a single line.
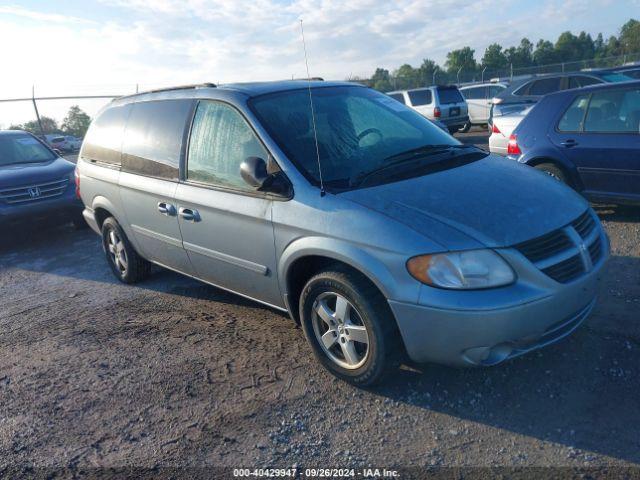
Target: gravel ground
[[174, 373]]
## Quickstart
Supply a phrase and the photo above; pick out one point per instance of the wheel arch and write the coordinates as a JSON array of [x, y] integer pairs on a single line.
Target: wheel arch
[[569, 170]]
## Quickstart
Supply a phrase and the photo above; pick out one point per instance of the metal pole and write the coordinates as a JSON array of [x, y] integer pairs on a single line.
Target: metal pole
[[35, 107], [511, 72], [482, 78], [458, 75], [433, 81]]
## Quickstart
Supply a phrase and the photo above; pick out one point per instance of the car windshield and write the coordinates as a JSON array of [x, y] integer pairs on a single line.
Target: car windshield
[[360, 131], [22, 149]]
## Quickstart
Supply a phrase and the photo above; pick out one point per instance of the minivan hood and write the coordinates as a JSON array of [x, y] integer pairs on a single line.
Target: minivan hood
[[20, 174], [495, 201]]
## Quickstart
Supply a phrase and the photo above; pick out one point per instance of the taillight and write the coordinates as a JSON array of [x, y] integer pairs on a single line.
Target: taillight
[[77, 177], [437, 112], [495, 129], [512, 147]]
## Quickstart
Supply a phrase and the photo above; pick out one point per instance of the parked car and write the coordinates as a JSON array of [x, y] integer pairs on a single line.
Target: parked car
[[444, 103], [73, 143], [530, 90], [36, 185], [587, 138], [60, 143], [503, 126], [370, 226], [479, 97]]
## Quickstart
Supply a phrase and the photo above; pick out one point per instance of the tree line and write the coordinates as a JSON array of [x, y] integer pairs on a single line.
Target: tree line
[[75, 123], [499, 60]]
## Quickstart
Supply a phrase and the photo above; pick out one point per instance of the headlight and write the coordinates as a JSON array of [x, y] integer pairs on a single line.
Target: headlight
[[471, 269]]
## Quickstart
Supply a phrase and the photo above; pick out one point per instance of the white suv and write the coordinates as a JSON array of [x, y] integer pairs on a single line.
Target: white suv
[[443, 102]]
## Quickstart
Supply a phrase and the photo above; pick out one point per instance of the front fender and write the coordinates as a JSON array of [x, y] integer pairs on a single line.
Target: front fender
[[386, 269]]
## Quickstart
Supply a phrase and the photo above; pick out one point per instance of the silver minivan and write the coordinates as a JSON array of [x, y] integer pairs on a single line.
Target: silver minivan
[[478, 97], [443, 103], [382, 235]]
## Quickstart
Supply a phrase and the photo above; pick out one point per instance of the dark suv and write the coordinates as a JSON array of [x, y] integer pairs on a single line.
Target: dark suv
[[588, 138]]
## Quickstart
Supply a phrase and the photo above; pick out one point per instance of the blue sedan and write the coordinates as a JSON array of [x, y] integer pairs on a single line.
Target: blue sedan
[[36, 184], [588, 138]]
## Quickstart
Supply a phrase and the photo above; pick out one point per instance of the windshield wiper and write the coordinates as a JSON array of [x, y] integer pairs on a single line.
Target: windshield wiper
[[407, 157]]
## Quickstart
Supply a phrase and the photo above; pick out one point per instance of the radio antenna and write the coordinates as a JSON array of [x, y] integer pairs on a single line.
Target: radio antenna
[[313, 114]]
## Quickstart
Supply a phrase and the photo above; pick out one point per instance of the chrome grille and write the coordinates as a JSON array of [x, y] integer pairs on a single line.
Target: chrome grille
[[35, 192], [567, 253]]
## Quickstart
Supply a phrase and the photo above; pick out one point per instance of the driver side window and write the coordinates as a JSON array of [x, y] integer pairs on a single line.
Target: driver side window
[[220, 141]]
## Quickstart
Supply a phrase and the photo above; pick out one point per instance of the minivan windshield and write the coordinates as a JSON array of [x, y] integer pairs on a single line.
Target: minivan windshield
[[22, 149], [360, 132]]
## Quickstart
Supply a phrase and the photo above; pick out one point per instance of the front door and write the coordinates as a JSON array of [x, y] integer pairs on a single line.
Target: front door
[[605, 142], [225, 223]]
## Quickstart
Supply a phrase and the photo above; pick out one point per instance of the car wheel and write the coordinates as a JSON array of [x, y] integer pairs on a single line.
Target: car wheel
[[453, 130], [465, 128], [553, 171], [126, 264], [349, 326]]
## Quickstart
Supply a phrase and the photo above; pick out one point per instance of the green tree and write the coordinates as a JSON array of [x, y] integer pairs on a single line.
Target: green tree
[[426, 70], [76, 122], [630, 36], [494, 58], [49, 125], [520, 56], [380, 80], [544, 53], [461, 59]]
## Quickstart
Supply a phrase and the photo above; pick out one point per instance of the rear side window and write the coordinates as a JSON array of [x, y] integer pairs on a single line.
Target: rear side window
[[103, 141], [220, 141], [614, 111], [572, 119], [544, 86], [476, 93], [419, 97], [153, 139], [449, 95], [495, 90], [582, 81], [397, 96]]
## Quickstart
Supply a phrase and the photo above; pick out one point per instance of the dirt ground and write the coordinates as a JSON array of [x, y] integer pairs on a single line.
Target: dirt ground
[[174, 373]]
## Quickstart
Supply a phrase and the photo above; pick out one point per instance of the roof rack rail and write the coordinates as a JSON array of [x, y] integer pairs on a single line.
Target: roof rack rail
[[169, 89]]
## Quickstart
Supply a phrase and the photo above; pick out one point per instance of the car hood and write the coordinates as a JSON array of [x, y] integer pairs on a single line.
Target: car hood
[[17, 175], [493, 202]]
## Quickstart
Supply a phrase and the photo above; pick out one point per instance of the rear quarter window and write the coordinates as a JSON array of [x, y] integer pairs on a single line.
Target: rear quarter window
[[449, 95], [103, 141], [154, 137], [420, 97], [397, 96]]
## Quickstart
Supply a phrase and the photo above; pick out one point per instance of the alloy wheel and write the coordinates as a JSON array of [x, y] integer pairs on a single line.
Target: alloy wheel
[[117, 252], [340, 330]]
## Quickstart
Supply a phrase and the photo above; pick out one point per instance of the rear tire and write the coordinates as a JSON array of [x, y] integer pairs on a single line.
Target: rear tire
[[350, 326], [553, 171], [453, 130], [125, 263]]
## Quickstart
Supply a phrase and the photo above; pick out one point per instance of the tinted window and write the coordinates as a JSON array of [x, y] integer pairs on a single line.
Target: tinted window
[[358, 130], [220, 141], [572, 119], [103, 141], [544, 86], [153, 139], [397, 96], [419, 97], [582, 81], [22, 149], [614, 111], [449, 95], [495, 90], [476, 93]]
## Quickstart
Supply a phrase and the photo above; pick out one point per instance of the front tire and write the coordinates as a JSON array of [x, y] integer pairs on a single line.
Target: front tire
[[125, 263], [349, 326]]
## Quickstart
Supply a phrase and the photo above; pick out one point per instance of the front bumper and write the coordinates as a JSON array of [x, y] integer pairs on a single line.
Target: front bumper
[[64, 208], [486, 327]]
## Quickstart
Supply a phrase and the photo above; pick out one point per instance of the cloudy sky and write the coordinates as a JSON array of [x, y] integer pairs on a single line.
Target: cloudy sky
[[109, 46]]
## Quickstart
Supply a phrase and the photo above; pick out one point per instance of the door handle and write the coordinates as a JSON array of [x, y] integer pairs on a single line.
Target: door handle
[[189, 215], [166, 209], [569, 143]]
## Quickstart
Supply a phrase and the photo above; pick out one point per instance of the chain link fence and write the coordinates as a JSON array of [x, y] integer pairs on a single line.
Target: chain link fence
[[439, 77]]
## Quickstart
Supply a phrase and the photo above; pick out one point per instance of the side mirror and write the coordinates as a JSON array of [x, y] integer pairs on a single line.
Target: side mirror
[[254, 171]]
